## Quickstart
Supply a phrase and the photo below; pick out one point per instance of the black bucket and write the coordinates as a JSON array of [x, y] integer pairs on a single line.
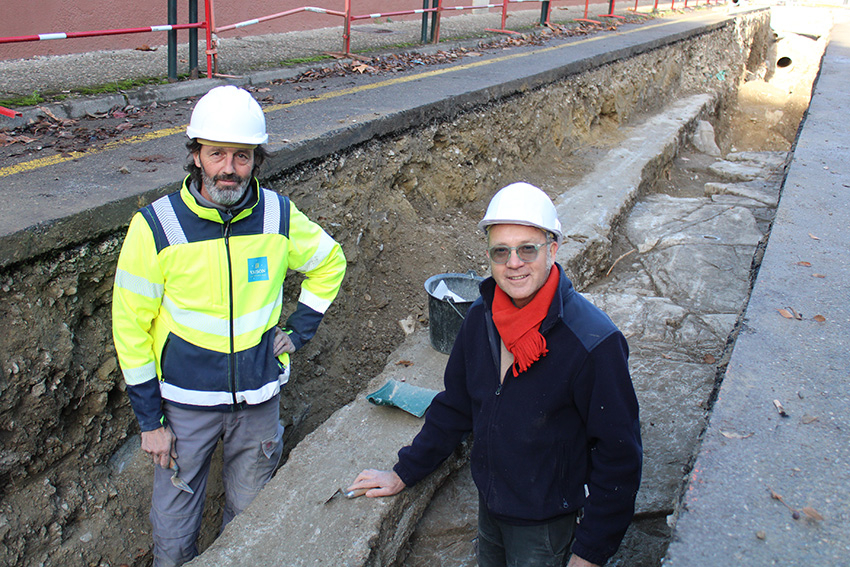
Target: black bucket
[[446, 315]]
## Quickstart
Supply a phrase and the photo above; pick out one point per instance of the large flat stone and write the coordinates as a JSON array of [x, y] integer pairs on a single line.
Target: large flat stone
[[696, 252], [296, 523]]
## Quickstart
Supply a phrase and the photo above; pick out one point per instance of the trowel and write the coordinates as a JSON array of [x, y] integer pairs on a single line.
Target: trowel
[[176, 480], [349, 494]]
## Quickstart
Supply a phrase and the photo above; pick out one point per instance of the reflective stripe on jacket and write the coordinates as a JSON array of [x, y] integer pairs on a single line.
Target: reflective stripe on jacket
[[198, 293]]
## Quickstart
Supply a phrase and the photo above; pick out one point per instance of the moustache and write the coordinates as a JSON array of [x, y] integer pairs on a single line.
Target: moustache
[[230, 177]]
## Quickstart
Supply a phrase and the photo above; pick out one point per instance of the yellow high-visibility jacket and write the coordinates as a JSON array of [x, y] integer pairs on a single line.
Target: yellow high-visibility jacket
[[198, 293]]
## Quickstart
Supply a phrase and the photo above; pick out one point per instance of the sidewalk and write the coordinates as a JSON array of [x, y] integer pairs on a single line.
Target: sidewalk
[[770, 484], [250, 54]]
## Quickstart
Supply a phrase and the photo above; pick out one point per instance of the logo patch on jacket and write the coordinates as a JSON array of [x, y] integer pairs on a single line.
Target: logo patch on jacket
[[258, 269]]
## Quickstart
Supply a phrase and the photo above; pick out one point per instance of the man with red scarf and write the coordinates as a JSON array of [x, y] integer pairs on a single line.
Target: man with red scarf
[[540, 377]]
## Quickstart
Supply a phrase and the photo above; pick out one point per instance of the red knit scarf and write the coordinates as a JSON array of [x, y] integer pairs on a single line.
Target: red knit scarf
[[520, 327]]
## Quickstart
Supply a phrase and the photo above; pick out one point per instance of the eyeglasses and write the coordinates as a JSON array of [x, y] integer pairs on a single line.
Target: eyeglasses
[[525, 252]]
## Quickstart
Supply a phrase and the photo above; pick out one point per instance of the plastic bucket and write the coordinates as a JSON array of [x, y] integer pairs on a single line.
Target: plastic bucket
[[446, 314]]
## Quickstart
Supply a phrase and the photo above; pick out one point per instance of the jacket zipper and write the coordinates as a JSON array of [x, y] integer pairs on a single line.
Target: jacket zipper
[[231, 359], [497, 362]]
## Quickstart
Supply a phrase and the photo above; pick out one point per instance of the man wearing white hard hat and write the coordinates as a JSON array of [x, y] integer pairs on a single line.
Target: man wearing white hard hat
[[540, 377], [196, 314]]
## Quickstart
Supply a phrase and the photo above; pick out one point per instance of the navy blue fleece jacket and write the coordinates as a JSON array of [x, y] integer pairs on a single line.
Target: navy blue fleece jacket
[[569, 421]]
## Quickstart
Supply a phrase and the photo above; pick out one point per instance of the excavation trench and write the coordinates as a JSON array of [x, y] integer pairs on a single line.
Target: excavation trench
[[404, 207]]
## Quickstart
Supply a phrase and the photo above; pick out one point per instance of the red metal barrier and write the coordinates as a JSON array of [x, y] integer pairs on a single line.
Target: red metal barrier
[[72, 35], [9, 112], [611, 13], [585, 18], [349, 17], [99, 33], [635, 10]]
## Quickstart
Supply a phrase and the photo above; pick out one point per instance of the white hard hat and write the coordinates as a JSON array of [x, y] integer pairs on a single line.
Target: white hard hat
[[522, 203], [228, 114]]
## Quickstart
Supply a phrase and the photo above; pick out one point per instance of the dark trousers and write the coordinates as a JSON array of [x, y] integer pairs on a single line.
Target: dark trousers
[[506, 545]]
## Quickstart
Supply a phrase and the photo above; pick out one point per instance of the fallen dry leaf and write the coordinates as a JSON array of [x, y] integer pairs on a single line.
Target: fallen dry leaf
[[813, 237], [9, 140], [48, 113], [807, 419], [818, 276], [812, 514], [819, 318], [145, 47], [153, 158], [776, 496], [54, 118], [404, 363], [806, 264], [709, 359], [735, 435], [785, 313]]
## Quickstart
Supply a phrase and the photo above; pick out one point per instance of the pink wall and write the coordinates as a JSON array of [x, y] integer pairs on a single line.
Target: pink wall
[[33, 17]]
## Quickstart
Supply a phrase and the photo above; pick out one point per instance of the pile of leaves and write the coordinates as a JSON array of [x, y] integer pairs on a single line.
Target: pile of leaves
[[400, 62], [69, 136]]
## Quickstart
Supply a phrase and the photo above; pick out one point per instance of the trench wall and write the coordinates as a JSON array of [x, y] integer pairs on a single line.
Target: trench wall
[[73, 486]]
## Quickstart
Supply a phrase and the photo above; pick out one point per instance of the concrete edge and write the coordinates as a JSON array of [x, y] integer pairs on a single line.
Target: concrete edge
[[40, 239], [76, 229]]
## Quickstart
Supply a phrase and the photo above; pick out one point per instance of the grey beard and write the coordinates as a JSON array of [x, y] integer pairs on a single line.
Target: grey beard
[[224, 197]]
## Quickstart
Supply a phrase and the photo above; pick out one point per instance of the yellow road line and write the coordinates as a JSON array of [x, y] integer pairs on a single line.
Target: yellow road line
[[59, 158], [156, 134]]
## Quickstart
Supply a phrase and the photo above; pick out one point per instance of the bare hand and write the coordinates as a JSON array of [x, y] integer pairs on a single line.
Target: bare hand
[[159, 444], [380, 483], [282, 342], [576, 561]]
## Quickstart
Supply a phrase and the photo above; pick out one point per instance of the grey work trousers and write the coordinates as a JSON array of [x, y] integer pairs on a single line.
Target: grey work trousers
[[252, 444]]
